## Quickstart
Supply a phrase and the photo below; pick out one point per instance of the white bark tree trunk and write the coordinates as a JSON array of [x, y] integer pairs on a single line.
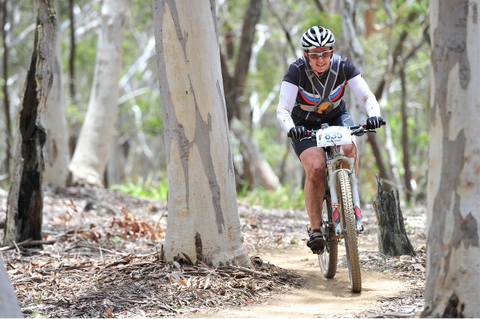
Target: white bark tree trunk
[[8, 300], [58, 156], [91, 155], [203, 220], [453, 251]]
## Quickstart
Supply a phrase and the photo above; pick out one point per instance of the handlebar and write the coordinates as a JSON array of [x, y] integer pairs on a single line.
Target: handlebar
[[357, 130]]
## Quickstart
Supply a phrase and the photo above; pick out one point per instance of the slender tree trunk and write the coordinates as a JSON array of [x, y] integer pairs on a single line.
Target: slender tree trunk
[[203, 220], [6, 101], [356, 54], [58, 155], [25, 197], [73, 45], [382, 92], [370, 17], [235, 84], [405, 139], [384, 173], [267, 176], [453, 215], [354, 51], [91, 154]]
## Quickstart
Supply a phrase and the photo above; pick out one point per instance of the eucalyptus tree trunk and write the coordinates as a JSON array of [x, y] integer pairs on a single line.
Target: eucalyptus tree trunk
[[203, 221], [91, 154], [25, 197], [58, 155], [453, 247], [8, 300]]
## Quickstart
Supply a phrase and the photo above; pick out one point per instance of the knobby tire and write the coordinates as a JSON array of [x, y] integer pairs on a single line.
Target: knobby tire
[[347, 213], [328, 260]]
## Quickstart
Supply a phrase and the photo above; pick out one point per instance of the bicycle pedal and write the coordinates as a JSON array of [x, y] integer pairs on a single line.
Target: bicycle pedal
[[360, 229]]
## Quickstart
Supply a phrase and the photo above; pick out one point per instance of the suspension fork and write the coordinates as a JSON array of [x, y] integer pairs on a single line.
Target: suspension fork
[[333, 196], [356, 197], [338, 157]]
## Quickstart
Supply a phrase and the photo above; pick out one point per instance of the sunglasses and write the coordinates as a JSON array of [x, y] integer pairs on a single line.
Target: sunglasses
[[317, 55]]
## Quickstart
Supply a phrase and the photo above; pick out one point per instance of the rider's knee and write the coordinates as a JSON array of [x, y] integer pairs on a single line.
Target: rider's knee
[[316, 170]]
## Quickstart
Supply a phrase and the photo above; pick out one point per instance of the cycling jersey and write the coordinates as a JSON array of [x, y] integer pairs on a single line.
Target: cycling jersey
[[302, 92]]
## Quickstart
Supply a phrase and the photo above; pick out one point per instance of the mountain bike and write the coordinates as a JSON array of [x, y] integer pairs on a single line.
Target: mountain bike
[[341, 214]]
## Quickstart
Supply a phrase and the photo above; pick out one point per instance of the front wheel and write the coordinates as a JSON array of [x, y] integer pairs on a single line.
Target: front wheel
[[347, 213], [328, 259]]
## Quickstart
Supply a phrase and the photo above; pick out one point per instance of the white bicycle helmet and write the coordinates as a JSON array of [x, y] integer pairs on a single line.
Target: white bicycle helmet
[[317, 36]]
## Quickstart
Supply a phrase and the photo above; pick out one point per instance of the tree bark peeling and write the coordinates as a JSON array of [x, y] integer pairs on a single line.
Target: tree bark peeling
[[453, 187], [199, 160], [25, 198]]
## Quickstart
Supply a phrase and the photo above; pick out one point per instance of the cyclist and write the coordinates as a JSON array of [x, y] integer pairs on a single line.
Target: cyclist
[[310, 95]]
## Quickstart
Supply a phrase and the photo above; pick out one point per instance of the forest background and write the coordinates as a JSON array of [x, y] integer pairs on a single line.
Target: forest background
[[387, 40]]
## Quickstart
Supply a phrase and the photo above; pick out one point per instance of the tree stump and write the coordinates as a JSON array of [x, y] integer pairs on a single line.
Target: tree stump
[[392, 237]]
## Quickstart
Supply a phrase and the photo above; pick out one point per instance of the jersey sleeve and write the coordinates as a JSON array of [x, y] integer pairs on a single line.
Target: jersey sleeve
[[349, 69], [363, 93], [288, 94], [293, 75]]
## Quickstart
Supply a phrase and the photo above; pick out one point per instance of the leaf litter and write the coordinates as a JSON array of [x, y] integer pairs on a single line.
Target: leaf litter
[[104, 258]]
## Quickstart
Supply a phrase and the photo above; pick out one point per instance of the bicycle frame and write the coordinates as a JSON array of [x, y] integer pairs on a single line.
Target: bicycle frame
[[343, 180], [335, 158]]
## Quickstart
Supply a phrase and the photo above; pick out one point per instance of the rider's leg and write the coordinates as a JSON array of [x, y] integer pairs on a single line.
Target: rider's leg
[[313, 161], [351, 151]]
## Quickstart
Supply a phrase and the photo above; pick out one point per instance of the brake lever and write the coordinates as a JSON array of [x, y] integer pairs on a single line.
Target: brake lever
[[358, 132]]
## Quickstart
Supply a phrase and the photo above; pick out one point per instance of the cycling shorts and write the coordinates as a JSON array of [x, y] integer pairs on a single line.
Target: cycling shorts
[[343, 119]]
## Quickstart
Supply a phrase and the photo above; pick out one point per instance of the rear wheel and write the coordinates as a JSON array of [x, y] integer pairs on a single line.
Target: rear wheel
[[347, 213], [328, 259]]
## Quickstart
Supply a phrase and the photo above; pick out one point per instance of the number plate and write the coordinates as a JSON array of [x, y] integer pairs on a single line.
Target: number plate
[[333, 135]]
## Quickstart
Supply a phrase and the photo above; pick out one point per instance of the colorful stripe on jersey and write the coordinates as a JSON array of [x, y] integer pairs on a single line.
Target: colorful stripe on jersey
[[338, 93], [307, 97]]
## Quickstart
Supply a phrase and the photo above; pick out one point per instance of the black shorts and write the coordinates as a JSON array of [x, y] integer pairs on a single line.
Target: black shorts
[[344, 119]]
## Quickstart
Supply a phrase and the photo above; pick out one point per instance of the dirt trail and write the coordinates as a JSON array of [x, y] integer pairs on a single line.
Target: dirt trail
[[319, 297], [277, 236]]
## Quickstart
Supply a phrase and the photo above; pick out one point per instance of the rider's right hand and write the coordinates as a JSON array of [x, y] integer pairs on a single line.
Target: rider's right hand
[[298, 132], [374, 122]]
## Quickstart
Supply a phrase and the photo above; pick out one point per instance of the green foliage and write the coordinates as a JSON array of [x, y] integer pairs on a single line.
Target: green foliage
[[115, 239], [267, 138], [146, 189], [325, 19], [278, 17], [282, 198]]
